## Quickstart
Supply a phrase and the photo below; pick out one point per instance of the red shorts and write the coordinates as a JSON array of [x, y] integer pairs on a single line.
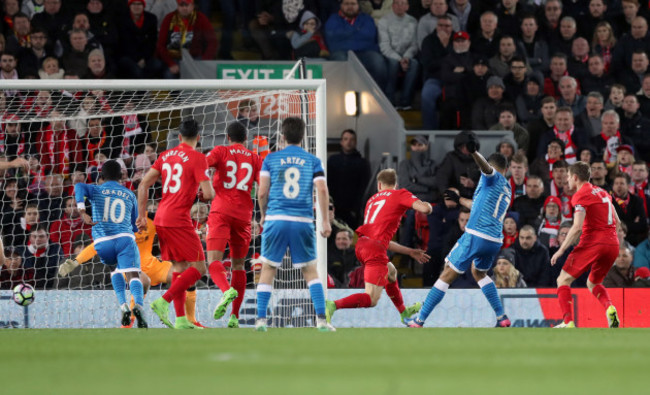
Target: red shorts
[[373, 256], [224, 229], [598, 257], [180, 244]]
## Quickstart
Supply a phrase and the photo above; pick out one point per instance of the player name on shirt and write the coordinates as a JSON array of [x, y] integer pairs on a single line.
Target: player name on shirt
[[239, 151], [384, 193], [178, 153], [292, 160], [114, 192]]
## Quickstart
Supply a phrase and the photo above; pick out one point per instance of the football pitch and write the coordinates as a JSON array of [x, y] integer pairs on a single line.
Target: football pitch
[[304, 361]]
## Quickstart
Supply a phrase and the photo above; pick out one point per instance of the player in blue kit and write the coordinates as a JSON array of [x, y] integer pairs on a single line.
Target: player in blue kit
[[114, 211], [287, 181], [482, 239]]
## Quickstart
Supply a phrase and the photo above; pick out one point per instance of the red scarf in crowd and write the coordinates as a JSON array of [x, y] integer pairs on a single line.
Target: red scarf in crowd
[[622, 202], [625, 169], [509, 240], [36, 252], [139, 22], [639, 189], [550, 165], [551, 229], [513, 187], [570, 148], [23, 224]]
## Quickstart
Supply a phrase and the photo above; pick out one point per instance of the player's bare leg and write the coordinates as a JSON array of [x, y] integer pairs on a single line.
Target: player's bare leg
[[367, 299], [310, 273], [218, 276], [490, 291], [264, 289], [565, 300], [395, 295], [600, 292], [435, 295]]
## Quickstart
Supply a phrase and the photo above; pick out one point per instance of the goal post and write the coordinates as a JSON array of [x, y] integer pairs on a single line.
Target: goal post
[[134, 117]]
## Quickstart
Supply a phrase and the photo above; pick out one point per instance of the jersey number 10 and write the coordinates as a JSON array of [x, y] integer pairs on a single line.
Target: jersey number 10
[[110, 210]]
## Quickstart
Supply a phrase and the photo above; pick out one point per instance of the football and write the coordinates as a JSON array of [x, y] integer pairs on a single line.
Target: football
[[24, 294]]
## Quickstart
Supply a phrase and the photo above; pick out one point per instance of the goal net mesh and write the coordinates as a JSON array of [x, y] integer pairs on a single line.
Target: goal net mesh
[[66, 135]]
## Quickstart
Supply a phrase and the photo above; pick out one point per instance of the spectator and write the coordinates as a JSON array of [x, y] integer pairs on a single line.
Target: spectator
[[458, 169], [486, 39], [8, 70], [97, 66], [52, 20], [12, 271], [341, 260], [468, 15], [518, 170], [603, 43], [610, 138], [629, 209], [510, 231], [641, 278], [507, 147], [534, 46], [543, 165], [550, 19], [30, 59], [569, 96], [505, 275], [348, 176], [188, 29], [577, 63], [81, 22], [99, 140], [531, 259], [639, 178], [351, 30], [42, 256], [529, 102], [398, 44], [621, 275], [456, 231], [14, 140], [137, 43], [508, 121], [630, 11], [564, 130], [515, 80], [634, 126], [337, 224], [455, 68], [51, 202], [530, 205], [65, 230], [589, 119], [476, 81], [599, 174], [624, 159], [596, 15], [248, 114], [540, 126], [500, 63], [308, 41], [558, 69], [75, 59], [10, 8], [27, 219], [638, 39], [434, 47], [564, 41], [596, 80], [643, 95], [633, 80], [615, 99], [377, 9], [441, 220], [486, 110], [417, 175], [550, 222], [20, 34], [428, 22]]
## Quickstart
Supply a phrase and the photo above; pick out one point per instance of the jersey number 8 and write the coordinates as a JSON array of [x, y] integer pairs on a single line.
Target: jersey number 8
[[291, 188]]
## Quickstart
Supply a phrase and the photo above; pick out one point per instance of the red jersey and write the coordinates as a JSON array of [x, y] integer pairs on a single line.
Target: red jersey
[[600, 223], [182, 169], [236, 170], [383, 213]]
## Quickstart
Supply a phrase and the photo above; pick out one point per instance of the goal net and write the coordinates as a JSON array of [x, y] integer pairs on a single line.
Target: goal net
[[66, 130]]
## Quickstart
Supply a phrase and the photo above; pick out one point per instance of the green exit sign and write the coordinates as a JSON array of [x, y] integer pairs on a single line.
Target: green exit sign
[[248, 71]]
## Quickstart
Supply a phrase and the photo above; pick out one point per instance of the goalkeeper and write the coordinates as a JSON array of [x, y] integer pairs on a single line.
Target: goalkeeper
[[157, 271]]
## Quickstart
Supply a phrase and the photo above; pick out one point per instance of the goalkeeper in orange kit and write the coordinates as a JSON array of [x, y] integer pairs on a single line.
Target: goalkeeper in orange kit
[[157, 271]]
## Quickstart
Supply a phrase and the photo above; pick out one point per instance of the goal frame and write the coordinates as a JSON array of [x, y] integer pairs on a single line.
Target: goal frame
[[317, 85]]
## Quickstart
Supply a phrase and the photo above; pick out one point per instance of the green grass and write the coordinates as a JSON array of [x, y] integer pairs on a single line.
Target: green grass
[[304, 361]]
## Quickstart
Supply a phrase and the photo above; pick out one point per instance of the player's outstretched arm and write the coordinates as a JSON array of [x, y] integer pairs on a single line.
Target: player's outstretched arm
[[419, 255], [472, 147], [263, 194], [323, 205], [207, 190], [148, 180], [572, 236], [453, 196], [18, 162], [422, 207]]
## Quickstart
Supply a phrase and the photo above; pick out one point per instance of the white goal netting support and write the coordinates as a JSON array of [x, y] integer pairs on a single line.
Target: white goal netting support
[[66, 129]]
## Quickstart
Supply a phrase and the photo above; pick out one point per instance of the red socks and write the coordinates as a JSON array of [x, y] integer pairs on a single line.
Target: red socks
[[218, 275], [395, 295], [602, 295], [566, 303], [180, 283], [354, 301], [238, 281]]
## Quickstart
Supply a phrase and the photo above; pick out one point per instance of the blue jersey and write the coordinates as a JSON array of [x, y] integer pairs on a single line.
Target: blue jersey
[[114, 207], [293, 172], [490, 205]]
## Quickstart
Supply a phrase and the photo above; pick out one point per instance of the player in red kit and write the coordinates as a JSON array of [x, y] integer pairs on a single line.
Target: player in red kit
[[382, 216], [596, 217], [230, 216], [183, 170]]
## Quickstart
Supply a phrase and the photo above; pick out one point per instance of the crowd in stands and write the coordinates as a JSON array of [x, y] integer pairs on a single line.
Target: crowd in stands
[[569, 79]]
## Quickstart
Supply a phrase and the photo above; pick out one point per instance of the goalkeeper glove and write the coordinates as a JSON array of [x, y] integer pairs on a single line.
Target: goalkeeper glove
[[472, 144], [67, 267], [451, 195]]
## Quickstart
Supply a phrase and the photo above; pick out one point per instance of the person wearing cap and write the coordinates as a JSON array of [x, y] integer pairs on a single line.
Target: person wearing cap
[[621, 275], [505, 275], [500, 63], [398, 45], [508, 121], [565, 130], [610, 138], [532, 259], [550, 222], [185, 28], [625, 159], [529, 101], [630, 209], [455, 68], [435, 46], [635, 126], [485, 111], [137, 43], [534, 47]]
